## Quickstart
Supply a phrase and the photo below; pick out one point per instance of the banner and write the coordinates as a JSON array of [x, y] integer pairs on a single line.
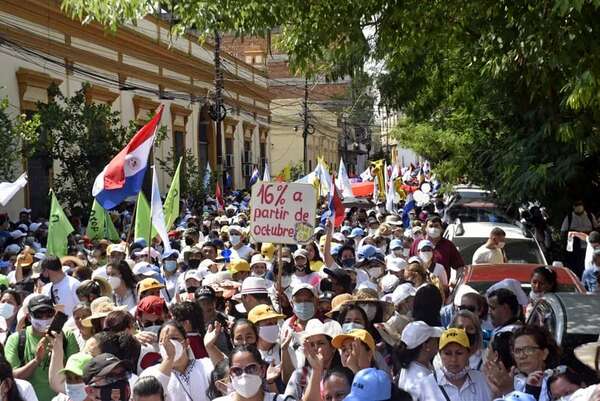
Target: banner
[[59, 228], [282, 213], [142, 218], [171, 206], [9, 189]]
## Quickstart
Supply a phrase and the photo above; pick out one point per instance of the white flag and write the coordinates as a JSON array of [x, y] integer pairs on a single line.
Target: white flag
[[158, 215], [389, 197], [9, 189], [343, 182], [207, 173], [266, 174]]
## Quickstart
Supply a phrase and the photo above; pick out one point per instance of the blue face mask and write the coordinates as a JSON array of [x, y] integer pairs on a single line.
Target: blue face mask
[[304, 310], [347, 263], [170, 265]]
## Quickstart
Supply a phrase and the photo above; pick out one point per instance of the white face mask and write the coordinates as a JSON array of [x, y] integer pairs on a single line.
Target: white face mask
[[399, 252], [348, 327], [434, 232], [75, 392], [235, 239], [246, 385], [405, 252], [40, 325], [375, 272], [269, 334], [114, 281], [7, 310], [178, 350], [501, 245], [426, 256], [370, 310], [372, 231]]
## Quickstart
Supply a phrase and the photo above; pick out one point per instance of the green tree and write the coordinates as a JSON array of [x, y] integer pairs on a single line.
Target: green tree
[[500, 93], [14, 131], [83, 137], [191, 178]]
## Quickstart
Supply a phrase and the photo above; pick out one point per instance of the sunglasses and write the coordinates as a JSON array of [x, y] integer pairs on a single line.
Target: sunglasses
[[468, 307], [251, 369]]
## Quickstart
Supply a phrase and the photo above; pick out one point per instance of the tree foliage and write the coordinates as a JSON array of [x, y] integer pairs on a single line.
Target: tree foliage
[[501, 93], [14, 131]]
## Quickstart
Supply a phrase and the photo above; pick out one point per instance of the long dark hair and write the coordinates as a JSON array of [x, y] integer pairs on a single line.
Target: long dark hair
[[220, 372], [502, 343], [549, 276], [6, 373], [403, 356], [126, 274], [427, 305], [191, 312]]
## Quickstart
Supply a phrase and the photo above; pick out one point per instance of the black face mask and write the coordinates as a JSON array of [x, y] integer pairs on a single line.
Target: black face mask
[[348, 263], [193, 263], [121, 385], [192, 290], [44, 279]]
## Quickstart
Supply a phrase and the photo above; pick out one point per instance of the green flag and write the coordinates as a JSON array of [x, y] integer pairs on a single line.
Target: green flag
[[142, 218], [59, 229], [95, 227], [171, 206], [111, 231]]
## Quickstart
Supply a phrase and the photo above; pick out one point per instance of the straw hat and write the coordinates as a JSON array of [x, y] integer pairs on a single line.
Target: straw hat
[[101, 307], [391, 330], [78, 262], [369, 295], [337, 302]]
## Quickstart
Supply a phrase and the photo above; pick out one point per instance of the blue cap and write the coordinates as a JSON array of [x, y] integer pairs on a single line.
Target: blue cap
[[370, 385], [518, 396], [395, 244], [425, 243], [366, 252], [345, 229], [140, 242], [356, 232], [335, 249], [171, 252]]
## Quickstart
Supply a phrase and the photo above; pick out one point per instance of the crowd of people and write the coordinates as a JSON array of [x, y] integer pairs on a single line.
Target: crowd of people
[[367, 311]]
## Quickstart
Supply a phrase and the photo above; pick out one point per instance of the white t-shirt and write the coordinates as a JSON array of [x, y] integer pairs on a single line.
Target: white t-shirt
[[410, 379], [440, 273], [190, 386], [26, 390], [475, 388], [483, 254], [310, 278], [267, 397], [63, 293], [243, 252]]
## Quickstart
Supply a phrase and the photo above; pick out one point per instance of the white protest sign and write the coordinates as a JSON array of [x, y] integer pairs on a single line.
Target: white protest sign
[[282, 213]]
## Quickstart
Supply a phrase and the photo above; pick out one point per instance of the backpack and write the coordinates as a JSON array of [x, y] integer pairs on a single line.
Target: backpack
[[21, 345]]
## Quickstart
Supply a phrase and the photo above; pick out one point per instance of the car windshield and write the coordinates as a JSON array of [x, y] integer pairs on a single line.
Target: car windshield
[[517, 250], [468, 214]]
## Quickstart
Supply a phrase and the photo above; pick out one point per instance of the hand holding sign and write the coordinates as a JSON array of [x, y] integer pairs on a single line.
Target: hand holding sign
[[282, 213]]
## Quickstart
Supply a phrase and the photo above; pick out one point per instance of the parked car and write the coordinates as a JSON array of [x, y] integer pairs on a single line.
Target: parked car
[[520, 246], [482, 277], [467, 193], [571, 318], [475, 211]]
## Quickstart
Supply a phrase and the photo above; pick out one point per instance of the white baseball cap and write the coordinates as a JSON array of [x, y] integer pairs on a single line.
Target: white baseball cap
[[396, 264], [304, 286], [315, 327], [416, 333], [402, 292], [252, 285], [388, 283]]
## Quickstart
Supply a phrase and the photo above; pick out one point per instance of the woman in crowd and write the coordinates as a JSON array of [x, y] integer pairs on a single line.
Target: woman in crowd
[[534, 350], [12, 389], [543, 280], [123, 283], [455, 380], [266, 320], [427, 305], [82, 333], [243, 332], [10, 302], [320, 356], [469, 322], [419, 344], [416, 274], [247, 376]]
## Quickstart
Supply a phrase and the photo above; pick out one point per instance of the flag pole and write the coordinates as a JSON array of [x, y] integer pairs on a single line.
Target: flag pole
[[129, 231]]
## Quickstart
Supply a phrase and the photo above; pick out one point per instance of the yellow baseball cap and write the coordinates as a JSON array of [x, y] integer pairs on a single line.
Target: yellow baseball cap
[[360, 334], [148, 284], [239, 265], [263, 312], [454, 335]]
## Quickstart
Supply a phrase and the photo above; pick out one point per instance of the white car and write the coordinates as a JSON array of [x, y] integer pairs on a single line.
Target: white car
[[520, 246]]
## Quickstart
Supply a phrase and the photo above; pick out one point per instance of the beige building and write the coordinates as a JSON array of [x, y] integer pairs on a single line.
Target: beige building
[[325, 104], [388, 121], [134, 70]]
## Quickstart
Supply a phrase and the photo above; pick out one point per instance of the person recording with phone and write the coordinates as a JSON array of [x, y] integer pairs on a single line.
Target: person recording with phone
[[28, 351]]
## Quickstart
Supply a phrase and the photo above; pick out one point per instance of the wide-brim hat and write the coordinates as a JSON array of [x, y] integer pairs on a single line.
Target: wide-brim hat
[[337, 302], [369, 295], [78, 262], [588, 354], [391, 330], [101, 307]]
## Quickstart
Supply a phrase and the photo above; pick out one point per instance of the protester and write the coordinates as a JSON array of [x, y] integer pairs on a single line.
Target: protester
[[493, 250]]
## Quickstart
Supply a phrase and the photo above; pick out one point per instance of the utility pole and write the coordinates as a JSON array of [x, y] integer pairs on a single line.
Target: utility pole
[[308, 128], [217, 110], [305, 129]]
